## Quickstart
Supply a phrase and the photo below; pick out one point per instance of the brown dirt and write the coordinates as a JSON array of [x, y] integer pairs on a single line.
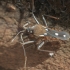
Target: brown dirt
[[12, 55]]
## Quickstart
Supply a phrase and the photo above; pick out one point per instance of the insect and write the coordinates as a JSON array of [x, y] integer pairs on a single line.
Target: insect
[[39, 31]]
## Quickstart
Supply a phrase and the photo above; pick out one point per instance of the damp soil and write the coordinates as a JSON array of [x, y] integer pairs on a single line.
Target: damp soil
[[12, 53]]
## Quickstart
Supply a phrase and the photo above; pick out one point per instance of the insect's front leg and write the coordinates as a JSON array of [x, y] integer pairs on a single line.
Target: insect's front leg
[[24, 26], [28, 42], [51, 53], [24, 43], [17, 35]]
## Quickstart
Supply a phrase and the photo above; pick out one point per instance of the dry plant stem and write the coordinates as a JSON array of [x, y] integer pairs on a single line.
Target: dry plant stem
[[33, 7], [24, 52], [52, 17]]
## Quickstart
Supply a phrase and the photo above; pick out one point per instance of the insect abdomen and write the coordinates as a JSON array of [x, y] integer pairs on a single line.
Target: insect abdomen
[[58, 34]]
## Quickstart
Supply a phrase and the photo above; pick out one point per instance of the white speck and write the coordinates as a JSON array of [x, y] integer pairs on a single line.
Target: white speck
[[30, 31], [12, 40], [51, 54], [45, 33], [32, 26], [56, 34], [64, 35], [46, 29]]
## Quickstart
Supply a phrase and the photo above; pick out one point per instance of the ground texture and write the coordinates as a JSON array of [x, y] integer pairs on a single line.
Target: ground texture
[[12, 55]]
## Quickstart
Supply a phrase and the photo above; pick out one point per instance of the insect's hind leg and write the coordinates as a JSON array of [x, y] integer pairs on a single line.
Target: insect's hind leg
[[51, 53]]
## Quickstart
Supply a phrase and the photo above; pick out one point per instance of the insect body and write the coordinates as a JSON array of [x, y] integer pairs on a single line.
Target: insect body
[[40, 31]]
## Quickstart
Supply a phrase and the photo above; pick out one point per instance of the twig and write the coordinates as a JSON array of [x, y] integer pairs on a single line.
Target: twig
[[52, 17]]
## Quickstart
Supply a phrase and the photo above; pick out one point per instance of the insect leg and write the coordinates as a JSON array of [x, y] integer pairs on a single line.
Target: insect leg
[[44, 20], [35, 18], [24, 26], [17, 35], [28, 42], [45, 34], [40, 45], [24, 51], [24, 43]]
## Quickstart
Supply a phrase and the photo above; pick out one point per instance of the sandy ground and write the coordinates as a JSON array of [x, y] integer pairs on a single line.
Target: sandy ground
[[12, 54]]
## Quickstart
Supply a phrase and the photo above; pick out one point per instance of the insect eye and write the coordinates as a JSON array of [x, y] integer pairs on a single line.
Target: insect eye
[[29, 31]]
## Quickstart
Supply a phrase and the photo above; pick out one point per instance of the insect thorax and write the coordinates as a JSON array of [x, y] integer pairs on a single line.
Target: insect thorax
[[39, 29], [36, 30]]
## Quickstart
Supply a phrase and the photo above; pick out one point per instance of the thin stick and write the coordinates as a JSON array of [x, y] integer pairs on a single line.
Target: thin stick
[[52, 17]]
